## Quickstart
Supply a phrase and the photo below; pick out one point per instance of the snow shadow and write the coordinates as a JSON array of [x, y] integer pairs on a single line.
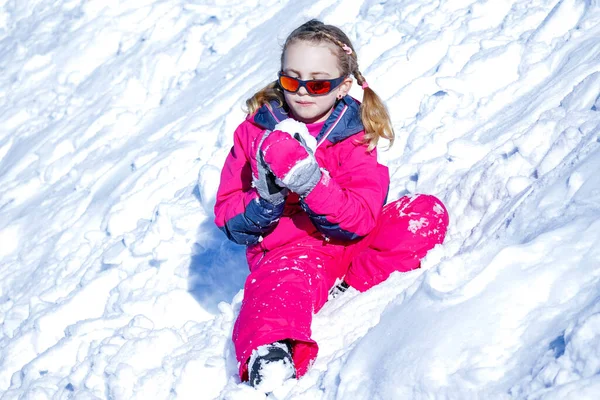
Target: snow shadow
[[558, 346], [218, 268]]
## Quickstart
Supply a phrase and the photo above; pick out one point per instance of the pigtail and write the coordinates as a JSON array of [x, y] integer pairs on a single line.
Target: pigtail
[[374, 115], [270, 92], [373, 112]]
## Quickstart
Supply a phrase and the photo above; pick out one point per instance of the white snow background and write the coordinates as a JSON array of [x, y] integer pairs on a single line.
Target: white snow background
[[116, 117]]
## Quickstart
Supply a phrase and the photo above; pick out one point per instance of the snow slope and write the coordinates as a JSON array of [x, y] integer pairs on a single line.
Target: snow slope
[[116, 116]]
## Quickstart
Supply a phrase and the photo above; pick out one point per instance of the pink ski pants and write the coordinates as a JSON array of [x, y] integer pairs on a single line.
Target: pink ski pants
[[289, 285]]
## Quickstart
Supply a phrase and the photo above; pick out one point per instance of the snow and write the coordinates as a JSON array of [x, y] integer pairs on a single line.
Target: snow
[[116, 117]]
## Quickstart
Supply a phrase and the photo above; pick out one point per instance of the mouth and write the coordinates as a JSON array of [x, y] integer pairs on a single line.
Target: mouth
[[304, 103]]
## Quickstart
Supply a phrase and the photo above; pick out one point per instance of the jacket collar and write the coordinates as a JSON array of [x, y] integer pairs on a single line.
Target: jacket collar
[[343, 122]]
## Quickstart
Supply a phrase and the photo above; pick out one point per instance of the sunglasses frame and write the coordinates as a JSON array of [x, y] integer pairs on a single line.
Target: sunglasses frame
[[335, 83]]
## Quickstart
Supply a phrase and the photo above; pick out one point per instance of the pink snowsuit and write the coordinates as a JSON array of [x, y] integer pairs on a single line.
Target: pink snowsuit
[[297, 250]]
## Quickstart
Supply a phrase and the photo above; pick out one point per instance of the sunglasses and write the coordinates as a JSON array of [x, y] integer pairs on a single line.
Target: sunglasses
[[314, 86]]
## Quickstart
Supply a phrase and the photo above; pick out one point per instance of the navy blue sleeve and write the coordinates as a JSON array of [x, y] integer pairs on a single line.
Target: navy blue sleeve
[[259, 219]]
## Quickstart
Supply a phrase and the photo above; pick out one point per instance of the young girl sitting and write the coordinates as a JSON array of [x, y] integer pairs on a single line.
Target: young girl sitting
[[303, 190]]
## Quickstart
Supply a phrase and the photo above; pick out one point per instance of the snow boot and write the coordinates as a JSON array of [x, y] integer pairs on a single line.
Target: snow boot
[[337, 290], [270, 365]]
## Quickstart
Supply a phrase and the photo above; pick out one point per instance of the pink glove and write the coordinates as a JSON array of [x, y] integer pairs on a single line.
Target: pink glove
[[292, 163]]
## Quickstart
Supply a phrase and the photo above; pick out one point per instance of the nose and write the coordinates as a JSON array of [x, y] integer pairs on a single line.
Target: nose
[[302, 91]]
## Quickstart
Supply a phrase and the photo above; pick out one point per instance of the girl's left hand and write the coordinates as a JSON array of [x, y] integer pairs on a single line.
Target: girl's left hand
[[293, 165]]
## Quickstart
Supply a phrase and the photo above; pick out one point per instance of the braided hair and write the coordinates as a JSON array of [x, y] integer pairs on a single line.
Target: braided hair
[[373, 112]]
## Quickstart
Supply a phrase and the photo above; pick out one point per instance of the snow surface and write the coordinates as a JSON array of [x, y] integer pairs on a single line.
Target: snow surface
[[116, 117]]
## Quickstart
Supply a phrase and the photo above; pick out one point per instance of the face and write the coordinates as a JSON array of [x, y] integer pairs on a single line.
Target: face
[[305, 61]]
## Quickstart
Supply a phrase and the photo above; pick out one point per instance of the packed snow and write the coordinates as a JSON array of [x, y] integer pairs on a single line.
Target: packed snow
[[116, 117]]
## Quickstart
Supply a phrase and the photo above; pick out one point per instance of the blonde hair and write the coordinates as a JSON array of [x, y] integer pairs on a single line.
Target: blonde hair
[[373, 112]]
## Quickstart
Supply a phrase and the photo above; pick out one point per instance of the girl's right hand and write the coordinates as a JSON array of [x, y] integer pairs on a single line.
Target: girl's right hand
[[266, 186]]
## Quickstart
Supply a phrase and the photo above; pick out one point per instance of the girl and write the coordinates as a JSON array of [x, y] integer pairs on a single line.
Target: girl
[[303, 190]]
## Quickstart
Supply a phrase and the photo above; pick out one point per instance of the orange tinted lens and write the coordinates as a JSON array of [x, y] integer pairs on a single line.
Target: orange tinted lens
[[318, 87], [289, 84]]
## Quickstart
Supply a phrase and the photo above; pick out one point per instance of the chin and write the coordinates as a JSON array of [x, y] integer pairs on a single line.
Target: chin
[[309, 117]]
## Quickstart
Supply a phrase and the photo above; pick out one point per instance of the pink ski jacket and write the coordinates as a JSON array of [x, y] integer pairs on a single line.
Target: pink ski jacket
[[342, 208]]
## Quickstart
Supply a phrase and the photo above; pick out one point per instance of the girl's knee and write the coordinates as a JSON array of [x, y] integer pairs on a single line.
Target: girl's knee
[[419, 215], [434, 206], [433, 210], [420, 204]]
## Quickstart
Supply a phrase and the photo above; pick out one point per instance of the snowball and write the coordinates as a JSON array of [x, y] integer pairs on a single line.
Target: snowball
[[292, 127]]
